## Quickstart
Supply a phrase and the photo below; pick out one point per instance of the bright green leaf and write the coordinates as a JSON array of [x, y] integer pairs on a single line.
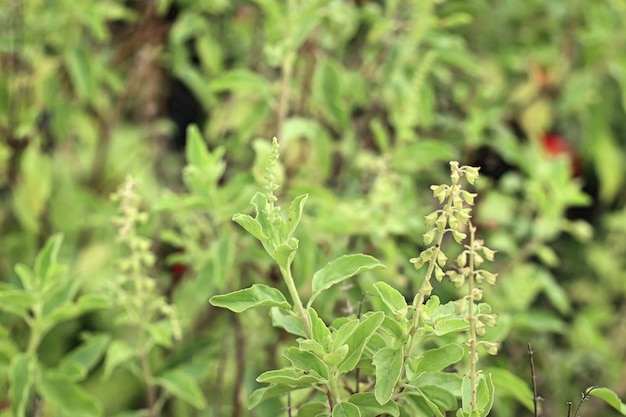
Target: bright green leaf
[[258, 295], [388, 363], [251, 225], [319, 330], [287, 319], [296, 208], [357, 341], [610, 397], [339, 270], [450, 325], [47, 258], [336, 356], [392, 299]]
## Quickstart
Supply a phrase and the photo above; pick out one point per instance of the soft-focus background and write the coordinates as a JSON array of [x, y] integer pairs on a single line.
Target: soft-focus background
[[370, 99]]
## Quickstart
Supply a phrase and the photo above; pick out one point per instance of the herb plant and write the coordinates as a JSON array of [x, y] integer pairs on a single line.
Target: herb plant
[[390, 360]]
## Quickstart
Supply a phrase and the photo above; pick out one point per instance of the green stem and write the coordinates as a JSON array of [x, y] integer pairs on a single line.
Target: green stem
[[295, 298], [333, 387], [472, 320]]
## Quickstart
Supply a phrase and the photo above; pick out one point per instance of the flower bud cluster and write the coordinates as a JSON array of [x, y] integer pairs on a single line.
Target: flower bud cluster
[[134, 288], [452, 218]]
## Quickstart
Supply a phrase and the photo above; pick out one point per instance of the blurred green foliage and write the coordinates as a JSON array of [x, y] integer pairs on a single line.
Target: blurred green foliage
[[369, 100]]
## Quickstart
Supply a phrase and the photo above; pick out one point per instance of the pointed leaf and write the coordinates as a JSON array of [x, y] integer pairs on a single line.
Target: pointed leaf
[[388, 363], [392, 299], [296, 208], [250, 224], [319, 330], [339, 270], [357, 341], [196, 150], [258, 295], [47, 258], [485, 395], [182, 385], [610, 397]]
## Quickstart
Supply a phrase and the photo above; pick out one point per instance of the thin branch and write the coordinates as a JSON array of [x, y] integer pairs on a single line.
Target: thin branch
[[584, 397], [533, 376]]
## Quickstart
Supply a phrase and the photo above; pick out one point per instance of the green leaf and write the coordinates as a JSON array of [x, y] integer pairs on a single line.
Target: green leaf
[[345, 329], [388, 363], [117, 353], [313, 409], [448, 381], [319, 331], [265, 393], [287, 319], [47, 259], [509, 385], [22, 373], [609, 163], [25, 274], [335, 357], [196, 150], [182, 385], [450, 325], [296, 208], [435, 360], [610, 397], [258, 295], [251, 225], [306, 361], [369, 407], [32, 192], [16, 301], [76, 364], [439, 398], [339, 270], [392, 299], [68, 397], [346, 409], [69, 310], [357, 341], [285, 253], [290, 376], [485, 395]]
